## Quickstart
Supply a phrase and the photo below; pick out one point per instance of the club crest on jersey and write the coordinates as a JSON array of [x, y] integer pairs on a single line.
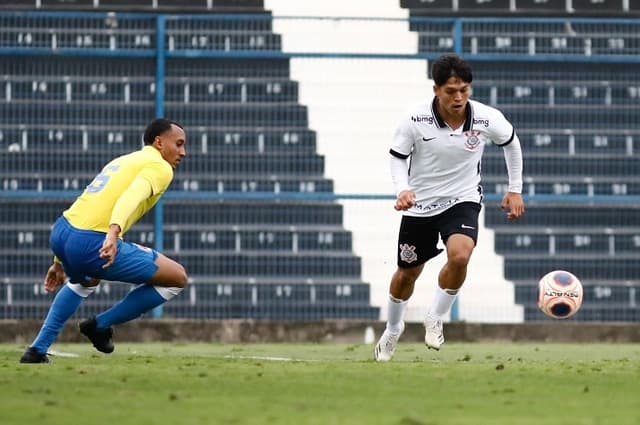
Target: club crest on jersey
[[408, 253], [473, 141]]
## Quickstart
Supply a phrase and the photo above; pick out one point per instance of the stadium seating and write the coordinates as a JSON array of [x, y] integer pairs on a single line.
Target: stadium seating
[[591, 8], [576, 124], [229, 6], [62, 117]]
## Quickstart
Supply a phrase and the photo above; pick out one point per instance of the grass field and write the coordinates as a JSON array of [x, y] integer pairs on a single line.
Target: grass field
[[183, 384]]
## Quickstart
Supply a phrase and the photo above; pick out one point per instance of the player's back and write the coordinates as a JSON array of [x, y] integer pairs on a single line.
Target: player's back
[[92, 209]]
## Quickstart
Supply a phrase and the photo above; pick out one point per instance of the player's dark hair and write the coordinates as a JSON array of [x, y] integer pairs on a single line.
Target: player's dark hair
[[450, 65], [156, 128]]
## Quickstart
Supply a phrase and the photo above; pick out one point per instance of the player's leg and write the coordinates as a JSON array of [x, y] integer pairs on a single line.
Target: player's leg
[[64, 305], [159, 279], [70, 296], [459, 229], [400, 290], [417, 243], [168, 281]]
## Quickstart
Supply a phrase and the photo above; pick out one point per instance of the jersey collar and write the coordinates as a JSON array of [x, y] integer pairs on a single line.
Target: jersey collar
[[152, 149], [468, 119]]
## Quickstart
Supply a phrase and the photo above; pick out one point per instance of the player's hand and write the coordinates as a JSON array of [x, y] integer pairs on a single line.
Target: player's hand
[[405, 200], [109, 247], [54, 278], [515, 204], [109, 250]]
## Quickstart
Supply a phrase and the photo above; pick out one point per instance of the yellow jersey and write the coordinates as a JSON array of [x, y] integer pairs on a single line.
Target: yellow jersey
[[92, 209]]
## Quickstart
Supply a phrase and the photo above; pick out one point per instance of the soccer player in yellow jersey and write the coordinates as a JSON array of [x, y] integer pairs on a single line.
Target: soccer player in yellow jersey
[[87, 243]]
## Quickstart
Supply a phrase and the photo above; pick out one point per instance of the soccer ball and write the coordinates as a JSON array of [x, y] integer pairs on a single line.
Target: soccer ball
[[559, 294]]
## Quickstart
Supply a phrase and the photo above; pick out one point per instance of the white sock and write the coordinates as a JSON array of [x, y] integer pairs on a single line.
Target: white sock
[[82, 291], [441, 304], [395, 313], [167, 292]]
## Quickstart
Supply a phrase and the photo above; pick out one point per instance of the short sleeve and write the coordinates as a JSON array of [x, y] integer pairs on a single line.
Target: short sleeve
[[403, 138], [501, 132]]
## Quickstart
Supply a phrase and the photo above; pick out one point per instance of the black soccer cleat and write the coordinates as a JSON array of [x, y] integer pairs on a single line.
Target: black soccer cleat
[[32, 356], [101, 339]]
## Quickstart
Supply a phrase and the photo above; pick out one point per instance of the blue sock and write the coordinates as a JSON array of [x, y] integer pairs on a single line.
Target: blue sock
[[135, 304], [65, 303]]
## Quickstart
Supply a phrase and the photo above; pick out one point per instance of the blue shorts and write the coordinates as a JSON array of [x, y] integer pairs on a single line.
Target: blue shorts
[[78, 250]]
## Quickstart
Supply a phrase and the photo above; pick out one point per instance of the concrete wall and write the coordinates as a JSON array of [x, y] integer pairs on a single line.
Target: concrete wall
[[238, 331]]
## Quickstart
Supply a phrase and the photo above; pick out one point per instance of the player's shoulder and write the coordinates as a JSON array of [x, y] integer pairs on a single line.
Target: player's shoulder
[[418, 112], [486, 115], [480, 108], [152, 156]]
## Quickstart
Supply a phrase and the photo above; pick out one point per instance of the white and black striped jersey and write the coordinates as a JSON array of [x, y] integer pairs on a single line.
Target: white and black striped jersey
[[444, 164]]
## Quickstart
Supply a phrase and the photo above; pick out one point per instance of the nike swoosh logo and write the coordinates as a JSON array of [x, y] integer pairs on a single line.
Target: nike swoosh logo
[[464, 226], [427, 139]]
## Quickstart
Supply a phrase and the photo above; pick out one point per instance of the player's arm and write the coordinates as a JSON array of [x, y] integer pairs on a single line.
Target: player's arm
[[405, 197], [138, 191], [513, 198], [403, 140]]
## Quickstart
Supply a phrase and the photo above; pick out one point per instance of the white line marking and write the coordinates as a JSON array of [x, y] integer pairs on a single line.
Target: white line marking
[[270, 358], [62, 354]]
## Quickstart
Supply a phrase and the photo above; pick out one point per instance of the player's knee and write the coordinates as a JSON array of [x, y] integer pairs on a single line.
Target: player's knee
[[181, 277], [408, 276], [458, 260]]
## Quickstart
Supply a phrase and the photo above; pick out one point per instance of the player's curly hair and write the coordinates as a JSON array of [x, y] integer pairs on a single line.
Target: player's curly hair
[[156, 128], [450, 65]]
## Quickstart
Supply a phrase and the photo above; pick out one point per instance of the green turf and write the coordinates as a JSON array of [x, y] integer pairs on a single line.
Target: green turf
[[183, 384]]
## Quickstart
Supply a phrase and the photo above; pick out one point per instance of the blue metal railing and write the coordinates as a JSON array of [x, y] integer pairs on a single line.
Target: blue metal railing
[[460, 30]]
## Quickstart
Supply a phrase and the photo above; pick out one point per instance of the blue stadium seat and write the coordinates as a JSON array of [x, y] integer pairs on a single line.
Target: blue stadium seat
[[597, 216], [572, 185], [184, 183], [228, 67], [112, 140], [83, 113], [547, 7], [586, 266], [588, 242], [246, 263], [546, 141], [582, 165], [297, 313], [197, 237], [199, 212], [232, 90], [597, 7], [246, 164], [222, 40], [269, 264]]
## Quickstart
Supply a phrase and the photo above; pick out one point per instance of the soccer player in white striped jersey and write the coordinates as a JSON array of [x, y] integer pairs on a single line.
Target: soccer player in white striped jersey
[[435, 167]]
